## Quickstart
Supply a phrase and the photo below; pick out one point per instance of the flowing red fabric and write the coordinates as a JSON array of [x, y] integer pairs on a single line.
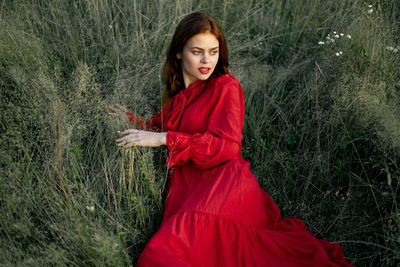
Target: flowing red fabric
[[215, 212]]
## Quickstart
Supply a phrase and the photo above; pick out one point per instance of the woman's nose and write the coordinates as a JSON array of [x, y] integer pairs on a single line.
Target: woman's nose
[[205, 58]]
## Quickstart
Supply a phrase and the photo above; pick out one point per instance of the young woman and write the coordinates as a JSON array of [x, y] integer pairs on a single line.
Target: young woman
[[215, 212]]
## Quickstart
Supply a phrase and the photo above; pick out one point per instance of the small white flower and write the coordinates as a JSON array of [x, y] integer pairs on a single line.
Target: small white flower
[[336, 35], [337, 54], [349, 36], [340, 52], [334, 32], [90, 208], [390, 48], [321, 43], [369, 6], [395, 50], [370, 11], [341, 34]]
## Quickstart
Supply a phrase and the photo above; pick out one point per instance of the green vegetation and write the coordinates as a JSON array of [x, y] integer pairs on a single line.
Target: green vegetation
[[322, 132]]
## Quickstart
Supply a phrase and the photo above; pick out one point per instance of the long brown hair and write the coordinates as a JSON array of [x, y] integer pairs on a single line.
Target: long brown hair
[[192, 24]]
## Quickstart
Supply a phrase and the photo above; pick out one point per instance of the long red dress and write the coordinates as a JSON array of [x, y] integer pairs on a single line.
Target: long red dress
[[215, 212]]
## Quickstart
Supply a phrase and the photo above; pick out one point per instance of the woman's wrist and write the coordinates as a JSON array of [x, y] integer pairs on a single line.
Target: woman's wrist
[[163, 138]]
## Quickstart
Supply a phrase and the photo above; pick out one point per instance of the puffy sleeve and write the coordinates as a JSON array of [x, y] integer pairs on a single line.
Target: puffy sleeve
[[222, 140], [152, 124]]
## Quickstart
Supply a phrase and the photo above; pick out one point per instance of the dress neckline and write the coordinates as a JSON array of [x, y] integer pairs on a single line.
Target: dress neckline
[[188, 91]]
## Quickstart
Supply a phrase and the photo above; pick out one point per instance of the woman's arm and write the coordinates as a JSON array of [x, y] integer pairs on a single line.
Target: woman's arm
[[219, 143], [222, 139]]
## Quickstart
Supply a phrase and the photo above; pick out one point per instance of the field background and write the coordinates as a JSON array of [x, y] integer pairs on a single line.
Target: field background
[[322, 132]]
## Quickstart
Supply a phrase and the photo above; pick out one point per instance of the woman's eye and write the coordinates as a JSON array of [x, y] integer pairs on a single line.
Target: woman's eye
[[196, 52], [214, 52]]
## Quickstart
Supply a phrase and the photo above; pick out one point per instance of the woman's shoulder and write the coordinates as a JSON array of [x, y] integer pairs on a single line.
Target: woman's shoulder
[[225, 86], [226, 78], [225, 81]]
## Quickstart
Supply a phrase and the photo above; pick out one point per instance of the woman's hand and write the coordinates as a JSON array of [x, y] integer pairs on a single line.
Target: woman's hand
[[133, 137]]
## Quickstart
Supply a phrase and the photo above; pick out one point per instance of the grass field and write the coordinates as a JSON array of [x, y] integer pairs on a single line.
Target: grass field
[[322, 125]]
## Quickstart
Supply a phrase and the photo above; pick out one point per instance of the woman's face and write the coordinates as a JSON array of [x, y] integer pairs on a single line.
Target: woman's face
[[199, 57]]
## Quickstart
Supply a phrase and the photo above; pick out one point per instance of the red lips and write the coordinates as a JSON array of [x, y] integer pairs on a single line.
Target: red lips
[[204, 70]]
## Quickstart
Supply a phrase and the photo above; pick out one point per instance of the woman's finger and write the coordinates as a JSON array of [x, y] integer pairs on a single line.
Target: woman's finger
[[127, 141], [130, 145], [122, 139], [121, 144], [129, 131]]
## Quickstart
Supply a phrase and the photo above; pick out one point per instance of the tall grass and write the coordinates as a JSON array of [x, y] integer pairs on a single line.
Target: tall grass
[[322, 132]]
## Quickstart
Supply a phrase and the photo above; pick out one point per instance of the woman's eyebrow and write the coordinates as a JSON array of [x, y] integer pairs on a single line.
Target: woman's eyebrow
[[195, 47]]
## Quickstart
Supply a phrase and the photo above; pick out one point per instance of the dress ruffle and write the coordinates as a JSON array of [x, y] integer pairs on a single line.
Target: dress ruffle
[[230, 243]]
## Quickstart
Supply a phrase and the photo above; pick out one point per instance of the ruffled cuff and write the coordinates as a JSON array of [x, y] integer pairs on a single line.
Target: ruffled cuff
[[179, 147]]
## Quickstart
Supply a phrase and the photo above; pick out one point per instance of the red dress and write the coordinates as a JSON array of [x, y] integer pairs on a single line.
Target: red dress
[[215, 212]]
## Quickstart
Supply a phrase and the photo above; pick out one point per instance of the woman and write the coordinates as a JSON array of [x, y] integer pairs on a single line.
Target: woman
[[215, 212]]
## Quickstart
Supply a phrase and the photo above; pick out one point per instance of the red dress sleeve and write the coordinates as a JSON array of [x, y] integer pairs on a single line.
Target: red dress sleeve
[[152, 124], [222, 140]]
